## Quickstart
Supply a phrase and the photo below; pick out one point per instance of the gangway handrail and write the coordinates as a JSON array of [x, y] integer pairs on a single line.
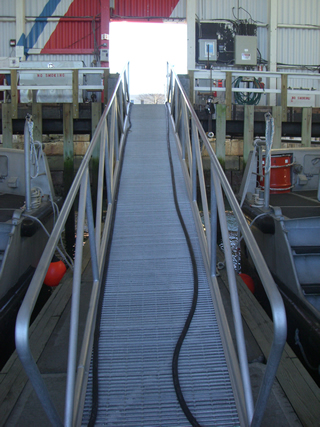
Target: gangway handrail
[[189, 137], [111, 145]]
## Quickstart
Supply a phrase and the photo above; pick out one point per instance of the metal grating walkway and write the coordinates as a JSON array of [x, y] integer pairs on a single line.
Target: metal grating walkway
[[148, 296]]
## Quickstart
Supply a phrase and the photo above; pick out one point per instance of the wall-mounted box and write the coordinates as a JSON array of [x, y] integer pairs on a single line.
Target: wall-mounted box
[[104, 55], [245, 50], [207, 50]]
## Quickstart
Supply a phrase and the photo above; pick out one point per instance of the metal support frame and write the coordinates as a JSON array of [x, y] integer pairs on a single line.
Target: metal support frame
[[76, 378], [27, 165], [219, 182]]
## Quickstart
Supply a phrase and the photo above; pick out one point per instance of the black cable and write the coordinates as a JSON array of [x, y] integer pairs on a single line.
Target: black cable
[[175, 359], [95, 357]]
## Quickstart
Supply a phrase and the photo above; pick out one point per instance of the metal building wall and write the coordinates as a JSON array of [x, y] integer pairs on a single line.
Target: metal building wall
[[298, 32], [66, 26], [7, 28], [144, 9]]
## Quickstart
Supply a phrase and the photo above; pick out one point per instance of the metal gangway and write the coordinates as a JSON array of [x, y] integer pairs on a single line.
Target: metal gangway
[[156, 348]]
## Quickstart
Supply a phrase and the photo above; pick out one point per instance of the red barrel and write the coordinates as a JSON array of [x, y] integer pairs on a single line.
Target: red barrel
[[280, 174]]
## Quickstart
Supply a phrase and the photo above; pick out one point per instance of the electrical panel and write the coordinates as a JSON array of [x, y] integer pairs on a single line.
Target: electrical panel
[[245, 50], [104, 55], [223, 34], [207, 50]]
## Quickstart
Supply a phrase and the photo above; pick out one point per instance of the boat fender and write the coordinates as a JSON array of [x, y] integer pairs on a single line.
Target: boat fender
[[55, 273], [248, 281], [266, 224]]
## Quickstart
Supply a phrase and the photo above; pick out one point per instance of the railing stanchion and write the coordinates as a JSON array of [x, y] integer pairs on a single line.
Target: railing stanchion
[[100, 193], [75, 304], [194, 165], [92, 237], [214, 224], [107, 165]]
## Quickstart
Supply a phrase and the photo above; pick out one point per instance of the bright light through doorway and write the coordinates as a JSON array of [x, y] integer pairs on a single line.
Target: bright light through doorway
[[148, 47]]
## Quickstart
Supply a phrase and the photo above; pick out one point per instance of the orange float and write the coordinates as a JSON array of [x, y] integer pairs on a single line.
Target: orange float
[[248, 281], [55, 273]]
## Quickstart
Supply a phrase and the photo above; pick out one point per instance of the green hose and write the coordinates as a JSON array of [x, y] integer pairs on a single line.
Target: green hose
[[247, 98]]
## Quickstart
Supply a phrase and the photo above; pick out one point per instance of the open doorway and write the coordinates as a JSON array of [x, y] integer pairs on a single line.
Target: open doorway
[[148, 47]]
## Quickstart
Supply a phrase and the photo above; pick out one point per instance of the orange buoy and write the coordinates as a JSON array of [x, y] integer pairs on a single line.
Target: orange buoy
[[55, 273], [248, 281]]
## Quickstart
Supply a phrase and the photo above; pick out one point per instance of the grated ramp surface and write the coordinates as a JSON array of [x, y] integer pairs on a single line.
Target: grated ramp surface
[[148, 295]]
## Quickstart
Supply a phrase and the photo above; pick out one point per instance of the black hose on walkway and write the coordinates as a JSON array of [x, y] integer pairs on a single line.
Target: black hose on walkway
[[175, 360]]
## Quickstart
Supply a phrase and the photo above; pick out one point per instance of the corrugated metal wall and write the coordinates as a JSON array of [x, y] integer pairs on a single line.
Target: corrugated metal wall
[[72, 31], [144, 8], [227, 9], [7, 27], [68, 26]]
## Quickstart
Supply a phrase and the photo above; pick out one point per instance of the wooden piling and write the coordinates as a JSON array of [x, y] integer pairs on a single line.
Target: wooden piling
[[228, 94], [37, 121], [306, 126], [75, 93], [284, 96], [7, 125], [68, 172], [248, 133], [14, 94], [94, 163], [276, 113], [221, 111]]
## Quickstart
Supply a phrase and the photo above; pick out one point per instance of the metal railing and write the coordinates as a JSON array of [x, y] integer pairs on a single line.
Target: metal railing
[[293, 79], [190, 135], [111, 140]]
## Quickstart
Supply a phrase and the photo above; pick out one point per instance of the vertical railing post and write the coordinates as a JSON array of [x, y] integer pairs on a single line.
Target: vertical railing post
[[182, 134], [214, 223], [27, 164], [116, 130], [75, 303], [237, 319], [100, 190], [176, 112], [194, 141], [120, 102], [92, 238], [107, 164], [186, 131]]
